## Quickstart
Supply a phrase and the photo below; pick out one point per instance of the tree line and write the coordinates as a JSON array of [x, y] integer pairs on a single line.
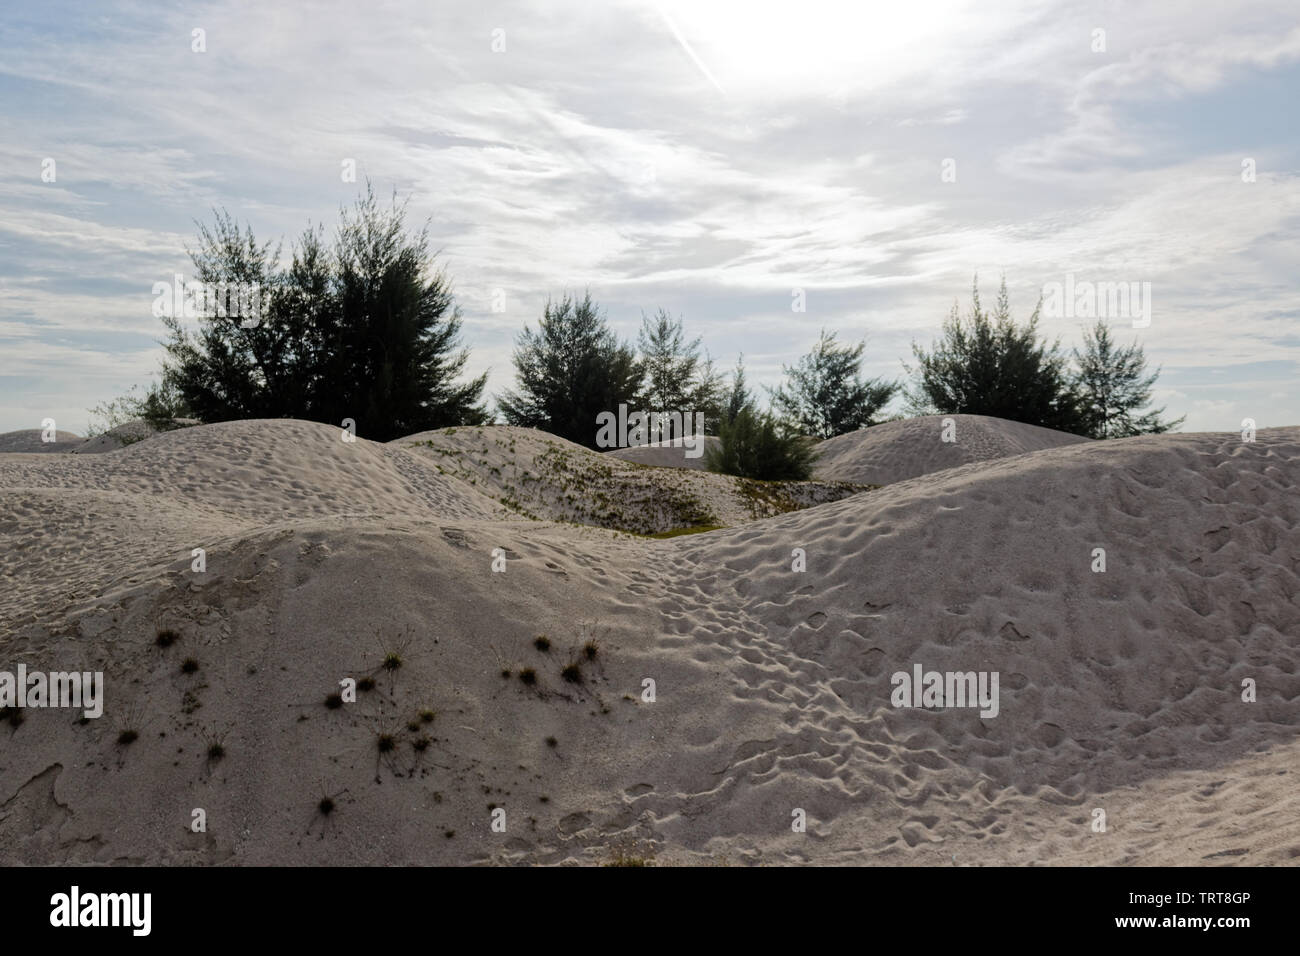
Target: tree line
[[365, 327]]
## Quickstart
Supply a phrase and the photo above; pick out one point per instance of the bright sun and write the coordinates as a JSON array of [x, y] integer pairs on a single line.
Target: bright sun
[[761, 48]]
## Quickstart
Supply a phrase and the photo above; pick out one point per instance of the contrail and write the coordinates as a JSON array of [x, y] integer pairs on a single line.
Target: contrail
[[703, 67]]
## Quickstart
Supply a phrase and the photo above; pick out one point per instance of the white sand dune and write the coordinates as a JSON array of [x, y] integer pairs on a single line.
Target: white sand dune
[[667, 454], [29, 441], [896, 451], [892, 451], [543, 477], [1120, 691]]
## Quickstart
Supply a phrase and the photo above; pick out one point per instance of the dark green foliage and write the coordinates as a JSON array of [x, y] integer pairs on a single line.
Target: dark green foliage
[[161, 407], [753, 445], [825, 396], [677, 378], [365, 330], [988, 365], [1112, 385], [738, 397], [569, 371]]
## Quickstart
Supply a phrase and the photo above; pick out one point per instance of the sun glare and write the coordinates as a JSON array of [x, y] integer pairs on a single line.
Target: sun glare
[[767, 48]]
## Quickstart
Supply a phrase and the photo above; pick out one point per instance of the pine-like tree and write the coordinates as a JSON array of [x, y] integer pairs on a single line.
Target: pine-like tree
[[569, 371], [988, 365], [367, 330], [755, 445], [1113, 386], [738, 396], [825, 396], [677, 377]]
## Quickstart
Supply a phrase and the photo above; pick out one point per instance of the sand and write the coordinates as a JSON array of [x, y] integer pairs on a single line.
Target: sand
[[30, 441], [892, 451], [1121, 691], [896, 451], [668, 454], [543, 477]]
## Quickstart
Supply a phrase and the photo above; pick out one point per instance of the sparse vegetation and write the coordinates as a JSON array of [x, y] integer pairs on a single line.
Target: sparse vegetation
[[167, 637], [528, 676], [189, 666], [755, 445], [678, 532], [216, 745], [542, 643]]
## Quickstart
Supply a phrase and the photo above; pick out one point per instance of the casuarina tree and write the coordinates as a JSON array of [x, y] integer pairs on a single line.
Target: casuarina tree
[[1113, 387], [570, 370]]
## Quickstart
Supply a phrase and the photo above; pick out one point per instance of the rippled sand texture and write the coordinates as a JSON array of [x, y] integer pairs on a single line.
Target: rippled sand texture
[[1120, 691]]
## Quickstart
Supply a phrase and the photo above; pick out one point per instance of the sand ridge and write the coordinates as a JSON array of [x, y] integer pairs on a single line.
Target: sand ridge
[[896, 451], [542, 477], [668, 454], [1120, 690]]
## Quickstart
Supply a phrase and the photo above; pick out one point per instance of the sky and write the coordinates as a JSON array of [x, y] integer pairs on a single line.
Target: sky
[[724, 161]]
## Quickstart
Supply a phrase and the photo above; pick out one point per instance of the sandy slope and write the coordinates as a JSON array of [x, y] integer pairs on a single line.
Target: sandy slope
[[1121, 690], [896, 451], [543, 477], [28, 440], [667, 454], [893, 451]]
